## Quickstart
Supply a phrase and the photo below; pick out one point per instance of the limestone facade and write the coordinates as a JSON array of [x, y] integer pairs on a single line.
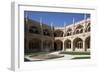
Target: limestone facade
[[42, 37]]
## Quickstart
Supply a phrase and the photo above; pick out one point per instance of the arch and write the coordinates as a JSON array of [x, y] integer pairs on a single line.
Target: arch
[[47, 45], [67, 44], [88, 28], [87, 43], [79, 26], [58, 45], [79, 29], [69, 29], [68, 32], [58, 33], [46, 32], [35, 44], [34, 29], [78, 43]]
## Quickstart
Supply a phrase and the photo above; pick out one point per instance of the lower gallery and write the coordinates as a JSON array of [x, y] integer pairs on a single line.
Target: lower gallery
[[71, 38]]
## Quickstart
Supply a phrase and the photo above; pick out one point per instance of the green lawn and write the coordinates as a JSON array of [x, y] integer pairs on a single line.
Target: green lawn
[[81, 58], [76, 53]]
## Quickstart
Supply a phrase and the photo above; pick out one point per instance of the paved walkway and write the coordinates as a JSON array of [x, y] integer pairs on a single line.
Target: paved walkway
[[66, 57], [69, 57], [32, 59]]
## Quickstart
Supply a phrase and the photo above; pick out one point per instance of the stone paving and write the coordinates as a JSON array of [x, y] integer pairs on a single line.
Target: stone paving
[[65, 57]]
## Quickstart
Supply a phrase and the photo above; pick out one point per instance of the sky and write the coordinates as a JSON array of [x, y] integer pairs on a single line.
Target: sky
[[56, 18]]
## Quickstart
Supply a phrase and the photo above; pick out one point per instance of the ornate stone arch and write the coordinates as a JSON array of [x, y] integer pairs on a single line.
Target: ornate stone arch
[[58, 45], [77, 43], [87, 29], [34, 44], [47, 45], [46, 32], [34, 29], [67, 44], [68, 32], [58, 33], [78, 29]]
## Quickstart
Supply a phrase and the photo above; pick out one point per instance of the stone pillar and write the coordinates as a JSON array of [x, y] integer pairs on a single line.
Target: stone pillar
[[72, 46], [52, 45], [85, 23], [27, 44], [63, 46], [84, 45], [41, 34], [84, 28], [27, 37], [42, 45]]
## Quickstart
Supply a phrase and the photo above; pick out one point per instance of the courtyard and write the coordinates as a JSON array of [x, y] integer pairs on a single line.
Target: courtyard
[[58, 55], [59, 38]]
